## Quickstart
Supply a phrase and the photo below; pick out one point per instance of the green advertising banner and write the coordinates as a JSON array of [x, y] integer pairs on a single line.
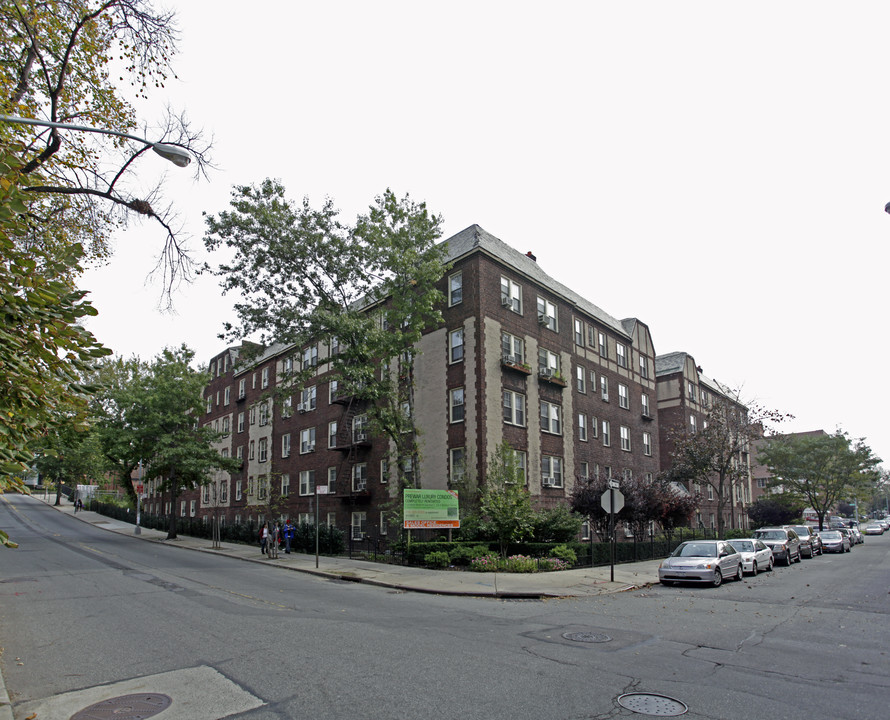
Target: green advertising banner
[[431, 509]]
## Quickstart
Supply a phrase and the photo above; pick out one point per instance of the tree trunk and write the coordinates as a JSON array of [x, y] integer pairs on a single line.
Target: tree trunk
[[174, 495]]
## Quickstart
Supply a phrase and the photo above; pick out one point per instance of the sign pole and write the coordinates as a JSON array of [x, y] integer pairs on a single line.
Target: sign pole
[[612, 534]]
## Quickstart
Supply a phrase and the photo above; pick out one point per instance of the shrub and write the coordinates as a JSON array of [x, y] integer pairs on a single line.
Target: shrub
[[439, 559], [552, 563], [519, 563], [564, 553], [485, 563], [558, 524], [463, 554]]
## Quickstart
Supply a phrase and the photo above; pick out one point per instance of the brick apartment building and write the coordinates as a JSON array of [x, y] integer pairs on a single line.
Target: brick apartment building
[[685, 397], [519, 358]]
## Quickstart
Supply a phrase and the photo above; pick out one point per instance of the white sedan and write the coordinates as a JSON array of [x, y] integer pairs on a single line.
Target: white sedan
[[756, 556]]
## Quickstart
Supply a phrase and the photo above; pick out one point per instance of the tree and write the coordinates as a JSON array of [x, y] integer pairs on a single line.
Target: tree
[[717, 453], [822, 469], [369, 290], [586, 500], [61, 61], [505, 504], [676, 508], [778, 509], [69, 455]]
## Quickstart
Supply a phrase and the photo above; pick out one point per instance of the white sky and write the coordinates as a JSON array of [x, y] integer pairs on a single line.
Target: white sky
[[718, 170]]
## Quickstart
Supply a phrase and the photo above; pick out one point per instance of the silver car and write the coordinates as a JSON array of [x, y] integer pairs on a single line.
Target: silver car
[[755, 555], [703, 561]]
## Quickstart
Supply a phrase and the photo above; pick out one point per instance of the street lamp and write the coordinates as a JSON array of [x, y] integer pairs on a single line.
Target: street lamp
[[175, 154]]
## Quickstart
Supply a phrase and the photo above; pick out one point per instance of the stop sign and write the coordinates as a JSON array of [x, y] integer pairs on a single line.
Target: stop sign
[[612, 501]]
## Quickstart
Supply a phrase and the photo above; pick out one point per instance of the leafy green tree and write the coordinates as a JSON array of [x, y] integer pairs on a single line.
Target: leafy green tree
[[556, 525], [586, 500], [505, 503], [821, 469], [778, 509], [368, 289], [71, 456]]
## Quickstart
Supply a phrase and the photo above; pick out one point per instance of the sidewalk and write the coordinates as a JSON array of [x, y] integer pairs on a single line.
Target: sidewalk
[[583, 582]]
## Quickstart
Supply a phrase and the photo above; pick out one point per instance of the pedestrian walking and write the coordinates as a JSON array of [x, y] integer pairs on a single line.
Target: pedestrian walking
[[264, 538], [288, 536], [274, 540]]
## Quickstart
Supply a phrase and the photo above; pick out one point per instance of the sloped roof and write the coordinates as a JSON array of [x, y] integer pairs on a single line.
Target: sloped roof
[[476, 238], [670, 363]]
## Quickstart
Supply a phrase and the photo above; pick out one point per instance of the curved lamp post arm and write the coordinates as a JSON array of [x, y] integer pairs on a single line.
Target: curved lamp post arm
[[175, 154]]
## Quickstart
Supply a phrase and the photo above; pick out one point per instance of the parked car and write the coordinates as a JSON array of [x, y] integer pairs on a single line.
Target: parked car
[[874, 528], [858, 538], [835, 541], [845, 531], [885, 523], [756, 556], [704, 561], [809, 544], [783, 541]]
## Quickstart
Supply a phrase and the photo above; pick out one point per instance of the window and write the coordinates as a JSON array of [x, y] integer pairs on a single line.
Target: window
[[710, 492], [332, 434], [242, 390], [240, 422], [647, 443], [205, 495], [307, 399], [334, 346], [455, 289], [237, 490], [578, 328], [624, 432], [513, 348], [331, 519], [262, 487], [551, 418], [287, 407], [582, 426], [307, 440], [621, 354], [359, 477], [285, 485], [287, 366], [310, 357], [514, 408], [264, 413], [604, 388], [305, 519], [383, 523], [250, 486], [332, 480], [607, 433], [209, 403], [265, 381], [226, 425], [456, 404], [456, 345], [227, 395], [333, 390], [585, 530], [521, 459], [263, 449], [360, 428], [511, 295], [644, 367], [239, 452], [406, 409], [253, 415], [250, 449], [690, 391], [307, 482], [594, 426], [761, 483], [551, 471], [358, 525], [580, 379], [457, 465], [644, 402], [623, 396], [548, 362], [603, 344], [384, 471], [192, 508], [285, 445], [692, 427], [547, 314]]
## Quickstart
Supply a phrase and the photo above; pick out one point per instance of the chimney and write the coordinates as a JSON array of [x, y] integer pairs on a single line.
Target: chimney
[[529, 254]]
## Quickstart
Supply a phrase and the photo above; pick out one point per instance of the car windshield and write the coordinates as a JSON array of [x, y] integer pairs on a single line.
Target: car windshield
[[802, 529], [831, 535], [771, 534], [696, 550], [743, 545]]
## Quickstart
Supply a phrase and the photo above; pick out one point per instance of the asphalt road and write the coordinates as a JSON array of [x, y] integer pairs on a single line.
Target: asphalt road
[[87, 614]]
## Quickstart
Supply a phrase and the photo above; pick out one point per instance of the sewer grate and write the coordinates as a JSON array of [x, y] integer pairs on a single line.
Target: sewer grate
[[126, 707], [650, 704], [586, 637]]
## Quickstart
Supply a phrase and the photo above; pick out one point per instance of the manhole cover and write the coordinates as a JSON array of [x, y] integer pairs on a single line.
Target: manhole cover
[[588, 637], [649, 704], [126, 707]]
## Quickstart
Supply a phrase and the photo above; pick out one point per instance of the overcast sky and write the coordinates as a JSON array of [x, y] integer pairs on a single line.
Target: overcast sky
[[718, 170]]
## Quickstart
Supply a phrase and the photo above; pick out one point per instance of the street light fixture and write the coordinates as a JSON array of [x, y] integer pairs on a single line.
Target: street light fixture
[[175, 154]]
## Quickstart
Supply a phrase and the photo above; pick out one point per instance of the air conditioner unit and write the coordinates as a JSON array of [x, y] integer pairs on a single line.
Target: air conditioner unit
[[542, 319], [360, 486], [506, 301], [310, 447], [301, 407], [360, 436], [546, 372], [548, 481], [509, 359], [606, 397]]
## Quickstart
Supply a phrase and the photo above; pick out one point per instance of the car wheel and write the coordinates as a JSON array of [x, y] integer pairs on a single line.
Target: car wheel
[[740, 574], [799, 556], [788, 559], [718, 578], [772, 564], [754, 569]]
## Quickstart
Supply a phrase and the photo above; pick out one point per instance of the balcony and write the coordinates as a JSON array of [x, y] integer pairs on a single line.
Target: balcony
[[511, 362], [551, 376]]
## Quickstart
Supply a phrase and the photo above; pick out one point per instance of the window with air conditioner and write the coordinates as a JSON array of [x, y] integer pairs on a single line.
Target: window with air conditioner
[[547, 314], [513, 349], [551, 471], [511, 295], [307, 440]]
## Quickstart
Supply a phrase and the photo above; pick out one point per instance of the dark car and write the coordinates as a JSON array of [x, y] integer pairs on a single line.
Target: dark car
[[809, 540], [783, 541]]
